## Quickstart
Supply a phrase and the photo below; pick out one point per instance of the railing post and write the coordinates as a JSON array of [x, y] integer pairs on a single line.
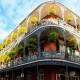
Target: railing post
[[24, 48], [65, 42], [38, 46], [12, 74], [66, 74], [37, 72]]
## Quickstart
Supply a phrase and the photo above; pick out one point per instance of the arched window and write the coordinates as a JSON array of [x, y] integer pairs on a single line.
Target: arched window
[[29, 75], [41, 75]]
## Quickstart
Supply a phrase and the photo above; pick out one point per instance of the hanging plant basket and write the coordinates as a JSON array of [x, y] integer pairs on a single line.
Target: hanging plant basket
[[33, 20], [14, 36], [52, 37], [70, 18], [73, 43], [52, 10], [9, 39], [31, 44], [19, 50], [22, 30]]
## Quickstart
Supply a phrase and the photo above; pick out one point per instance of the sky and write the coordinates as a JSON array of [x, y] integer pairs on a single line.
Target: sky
[[12, 12]]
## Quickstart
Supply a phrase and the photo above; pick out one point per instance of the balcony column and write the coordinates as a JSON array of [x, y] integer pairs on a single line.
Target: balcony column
[[40, 14], [75, 22], [37, 72], [18, 32], [0, 76], [38, 41], [66, 74], [64, 35], [12, 74], [62, 9], [24, 48], [22, 73]]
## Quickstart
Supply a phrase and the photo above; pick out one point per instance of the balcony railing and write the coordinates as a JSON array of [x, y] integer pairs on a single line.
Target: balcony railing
[[44, 22], [12, 45], [43, 55]]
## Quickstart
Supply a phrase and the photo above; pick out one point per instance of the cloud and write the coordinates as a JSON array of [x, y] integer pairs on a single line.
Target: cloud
[[12, 12]]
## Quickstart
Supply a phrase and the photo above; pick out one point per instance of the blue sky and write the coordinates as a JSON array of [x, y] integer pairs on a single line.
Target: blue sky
[[12, 12]]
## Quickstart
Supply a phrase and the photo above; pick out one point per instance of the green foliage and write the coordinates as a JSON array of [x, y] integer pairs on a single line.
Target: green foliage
[[52, 37], [4, 44], [74, 42], [9, 39], [11, 54], [79, 29], [0, 47], [33, 20], [22, 30], [70, 16], [31, 44], [4, 58], [14, 35], [52, 10], [19, 50]]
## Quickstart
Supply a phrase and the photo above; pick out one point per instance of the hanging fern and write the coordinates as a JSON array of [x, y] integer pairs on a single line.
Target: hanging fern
[[31, 44], [33, 20], [52, 10], [19, 50], [14, 35], [9, 39], [52, 37], [73, 43], [22, 30]]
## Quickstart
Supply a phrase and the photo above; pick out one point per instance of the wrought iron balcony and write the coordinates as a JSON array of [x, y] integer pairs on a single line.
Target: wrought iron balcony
[[44, 22], [43, 55]]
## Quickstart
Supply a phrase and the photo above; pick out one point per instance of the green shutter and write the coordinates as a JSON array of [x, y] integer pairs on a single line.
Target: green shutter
[[66, 49], [57, 45], [73, 52], [70, 50]]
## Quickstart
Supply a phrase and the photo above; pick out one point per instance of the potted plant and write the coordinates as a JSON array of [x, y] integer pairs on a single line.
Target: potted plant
[[73, 43], [14, 36], [52, 10], [22, 30], [4, 44], [52, 37], [9, 39], [70, 18], [19, 50], [65, 22], [36, 53], [31, 44], [67, 54], [33, 20]]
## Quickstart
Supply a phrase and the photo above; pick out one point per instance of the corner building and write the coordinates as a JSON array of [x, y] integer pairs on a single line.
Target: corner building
[[51, 62]]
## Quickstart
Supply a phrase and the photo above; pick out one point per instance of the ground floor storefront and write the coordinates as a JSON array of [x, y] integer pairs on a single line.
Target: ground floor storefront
[[42, 72]]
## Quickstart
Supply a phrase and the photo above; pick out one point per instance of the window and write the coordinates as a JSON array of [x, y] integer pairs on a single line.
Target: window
[[41, 75], [29, 75]]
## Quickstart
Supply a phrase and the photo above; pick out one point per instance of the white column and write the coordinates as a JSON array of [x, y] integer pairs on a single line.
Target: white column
[[75, 22]]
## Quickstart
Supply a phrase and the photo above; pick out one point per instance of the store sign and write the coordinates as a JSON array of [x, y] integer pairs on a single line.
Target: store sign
[[72, 73], [22, 74]]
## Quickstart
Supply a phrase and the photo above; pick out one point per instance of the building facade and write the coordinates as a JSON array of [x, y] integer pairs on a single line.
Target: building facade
[[54, 61]]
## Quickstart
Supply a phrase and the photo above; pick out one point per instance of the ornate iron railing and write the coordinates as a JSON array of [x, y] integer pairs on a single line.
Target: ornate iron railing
[[43, 55], [35, 27]]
